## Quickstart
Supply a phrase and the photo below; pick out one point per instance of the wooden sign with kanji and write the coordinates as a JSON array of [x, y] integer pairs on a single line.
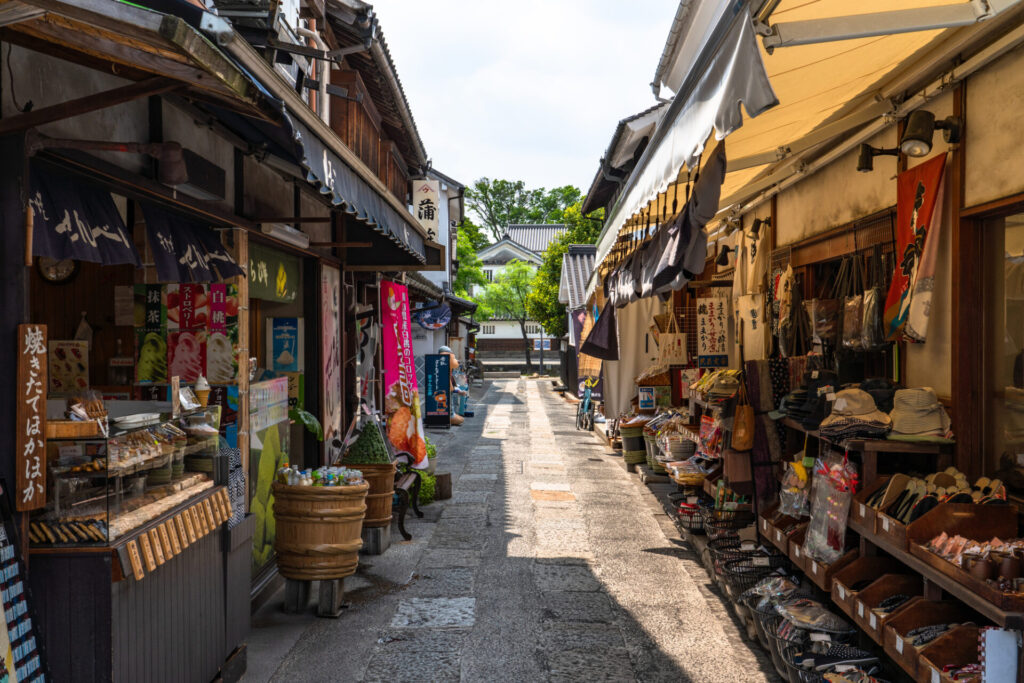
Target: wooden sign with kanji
[[30, 439]]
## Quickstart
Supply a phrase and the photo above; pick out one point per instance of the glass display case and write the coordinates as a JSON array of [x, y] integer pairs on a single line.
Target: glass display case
[[134, 470]]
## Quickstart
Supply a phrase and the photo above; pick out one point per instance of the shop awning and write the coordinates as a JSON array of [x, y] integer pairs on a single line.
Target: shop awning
[[136, 44], [733, 76], [337, 181], [343, 178], [832, 96]]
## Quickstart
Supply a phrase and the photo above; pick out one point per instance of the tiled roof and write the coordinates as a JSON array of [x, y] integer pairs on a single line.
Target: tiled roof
[[577, 265], [536, 238]]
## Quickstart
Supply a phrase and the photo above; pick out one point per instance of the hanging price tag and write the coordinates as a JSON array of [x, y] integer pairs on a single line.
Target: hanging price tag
[[936, 676], [814, 568], [885, 524], [796, 550], [841, 590], [778, 536], [873, 620], [860, 609], [761, 562], [899, 645], [863, 510], [821, 638]]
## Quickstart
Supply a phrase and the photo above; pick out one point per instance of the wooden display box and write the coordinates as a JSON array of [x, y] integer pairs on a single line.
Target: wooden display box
[[72, 429], [822, 574], [870, 567], [959, 646], [862, 513], [796, 548], [870, 597], [976, 522], [772, 527], [920, 613]]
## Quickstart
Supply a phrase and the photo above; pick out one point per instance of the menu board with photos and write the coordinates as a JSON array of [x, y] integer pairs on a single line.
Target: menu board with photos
[[186, 330], [20, 645]]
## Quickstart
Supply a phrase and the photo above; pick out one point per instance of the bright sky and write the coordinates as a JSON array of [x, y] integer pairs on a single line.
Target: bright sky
[[528, 90]]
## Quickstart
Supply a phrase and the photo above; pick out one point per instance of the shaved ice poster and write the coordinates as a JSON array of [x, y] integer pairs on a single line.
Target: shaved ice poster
[[286, 341]]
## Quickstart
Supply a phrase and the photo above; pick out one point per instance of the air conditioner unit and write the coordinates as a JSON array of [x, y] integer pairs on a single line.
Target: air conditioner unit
[[286, 233]]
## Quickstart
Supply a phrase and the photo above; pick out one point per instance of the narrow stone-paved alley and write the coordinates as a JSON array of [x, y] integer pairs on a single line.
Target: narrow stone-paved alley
[[550, 562]]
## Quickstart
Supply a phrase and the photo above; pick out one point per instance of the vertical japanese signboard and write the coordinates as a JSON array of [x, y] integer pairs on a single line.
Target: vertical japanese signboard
[[437, 374], [425, 197], [712, 332], [401, 398], [30, 441], [330, 354]]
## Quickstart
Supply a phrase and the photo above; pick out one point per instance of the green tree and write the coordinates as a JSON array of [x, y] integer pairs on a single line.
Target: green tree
[[506, 298], [542, 303], [498, 203], [473, 233], [470, 270]]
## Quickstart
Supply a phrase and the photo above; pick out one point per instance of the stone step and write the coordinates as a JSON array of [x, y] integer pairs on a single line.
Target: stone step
[[503, 375]]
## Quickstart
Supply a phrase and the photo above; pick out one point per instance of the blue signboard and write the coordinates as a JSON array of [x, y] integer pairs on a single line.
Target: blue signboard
[[437, 373]]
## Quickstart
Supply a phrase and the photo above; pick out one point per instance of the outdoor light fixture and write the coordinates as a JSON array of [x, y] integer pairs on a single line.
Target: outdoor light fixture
[[921, 125], [755, 227], [865, 159], [723, 256]]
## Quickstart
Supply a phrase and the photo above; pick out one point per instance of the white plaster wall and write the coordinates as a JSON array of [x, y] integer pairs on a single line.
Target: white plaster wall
[[994, 129], [47, 81], [505, 329], [837, 194]]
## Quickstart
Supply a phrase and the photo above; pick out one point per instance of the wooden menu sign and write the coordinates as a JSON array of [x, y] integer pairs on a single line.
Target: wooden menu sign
[[30, 432]]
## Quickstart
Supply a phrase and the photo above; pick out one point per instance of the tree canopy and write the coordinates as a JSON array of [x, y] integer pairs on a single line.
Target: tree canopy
[[498, 203], [506, 297], [542, 303], [470, 239]]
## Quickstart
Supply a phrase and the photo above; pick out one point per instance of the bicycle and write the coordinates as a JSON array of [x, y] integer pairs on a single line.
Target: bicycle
[[585, 409], [474, 373]]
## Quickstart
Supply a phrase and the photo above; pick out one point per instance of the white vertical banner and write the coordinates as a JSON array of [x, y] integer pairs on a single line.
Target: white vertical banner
[[425, 198]]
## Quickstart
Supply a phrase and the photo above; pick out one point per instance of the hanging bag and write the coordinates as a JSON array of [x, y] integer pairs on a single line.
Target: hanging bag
[[743, 420], [672, 344], [872, 332], [853, 306]]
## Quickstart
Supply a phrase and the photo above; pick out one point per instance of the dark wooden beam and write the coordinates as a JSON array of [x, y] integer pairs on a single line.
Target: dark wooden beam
[[342, 245], [294, 219], [83, 105]]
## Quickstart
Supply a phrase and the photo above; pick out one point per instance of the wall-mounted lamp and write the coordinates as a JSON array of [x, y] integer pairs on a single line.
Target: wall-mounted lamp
[[723, 256], [865, 159], [921, 125], [755, 227]]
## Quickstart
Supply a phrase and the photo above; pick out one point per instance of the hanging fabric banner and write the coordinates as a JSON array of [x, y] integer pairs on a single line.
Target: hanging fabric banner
[[916, 193], [72, 220], [433, 317], [401, 398], [712, 332], [184, 250]]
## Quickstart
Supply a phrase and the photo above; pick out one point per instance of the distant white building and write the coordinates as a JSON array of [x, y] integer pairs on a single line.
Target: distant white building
[[501, 340]]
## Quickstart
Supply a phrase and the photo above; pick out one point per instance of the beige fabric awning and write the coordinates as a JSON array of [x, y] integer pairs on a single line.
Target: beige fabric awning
[[828, 91]]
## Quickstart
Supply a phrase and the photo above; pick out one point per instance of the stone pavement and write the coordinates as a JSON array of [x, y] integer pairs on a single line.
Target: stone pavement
[[550, 562]]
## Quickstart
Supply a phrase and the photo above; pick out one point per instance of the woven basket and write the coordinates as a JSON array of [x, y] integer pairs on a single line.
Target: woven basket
[[741, 574], [719, 523], [689, 519], [634, 457]]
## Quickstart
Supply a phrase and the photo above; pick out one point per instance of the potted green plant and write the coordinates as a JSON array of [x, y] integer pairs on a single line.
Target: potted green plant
[[370, 455], [431, 457]]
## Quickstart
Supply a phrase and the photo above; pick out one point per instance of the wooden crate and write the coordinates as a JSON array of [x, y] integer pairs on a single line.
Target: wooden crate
[[870, 597], [921, 613], [959, 646], [822, 574], [796, 548], [862, 513], [872, 566]]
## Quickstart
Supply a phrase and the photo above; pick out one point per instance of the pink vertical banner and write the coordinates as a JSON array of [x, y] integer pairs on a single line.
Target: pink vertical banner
[[218, 308], [401, 398]]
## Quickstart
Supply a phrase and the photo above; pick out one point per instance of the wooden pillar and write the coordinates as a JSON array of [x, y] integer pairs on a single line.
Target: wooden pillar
[[241, 255], [967, 372]]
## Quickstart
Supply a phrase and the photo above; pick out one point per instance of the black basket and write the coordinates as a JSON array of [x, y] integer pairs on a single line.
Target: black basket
[[723, 550], [741, 574], [718, 523], [798, 674], [690, 519]]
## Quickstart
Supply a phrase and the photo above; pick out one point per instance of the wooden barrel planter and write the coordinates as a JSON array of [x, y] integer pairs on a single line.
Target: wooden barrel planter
[[319, 530], [381, 479]]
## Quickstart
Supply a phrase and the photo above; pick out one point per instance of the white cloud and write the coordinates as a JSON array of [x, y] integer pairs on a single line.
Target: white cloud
[[530, 90]]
